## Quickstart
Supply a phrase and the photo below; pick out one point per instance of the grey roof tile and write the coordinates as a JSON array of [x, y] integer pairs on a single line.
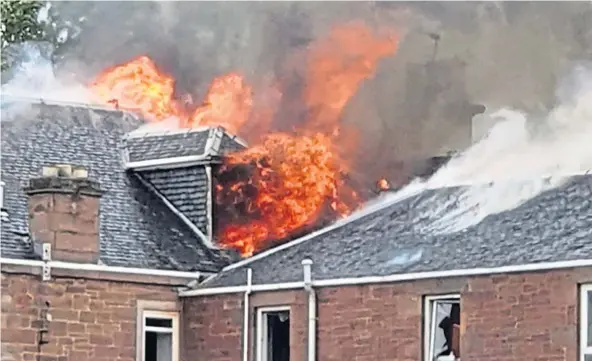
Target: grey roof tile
[[187, 189], [229, 145], [167, 145], [553, 226], [137, 229]]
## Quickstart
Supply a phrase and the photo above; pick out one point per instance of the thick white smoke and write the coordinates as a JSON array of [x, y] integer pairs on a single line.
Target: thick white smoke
[[32, 76], [520, 157]]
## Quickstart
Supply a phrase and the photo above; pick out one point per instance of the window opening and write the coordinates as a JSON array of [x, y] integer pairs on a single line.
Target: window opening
[[160, 337], [442, 325], [586, 323], [274, 335]]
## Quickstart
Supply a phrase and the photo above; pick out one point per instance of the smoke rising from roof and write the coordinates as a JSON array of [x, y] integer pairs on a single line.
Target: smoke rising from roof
[[520, 157], [451, 55], [497, 54], [32, 76]]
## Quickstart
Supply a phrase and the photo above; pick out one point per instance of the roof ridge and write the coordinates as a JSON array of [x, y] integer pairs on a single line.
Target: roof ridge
[[433, 183], [46, 101]]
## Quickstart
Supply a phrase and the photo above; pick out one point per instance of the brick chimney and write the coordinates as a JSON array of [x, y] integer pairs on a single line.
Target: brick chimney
[[64, 211]]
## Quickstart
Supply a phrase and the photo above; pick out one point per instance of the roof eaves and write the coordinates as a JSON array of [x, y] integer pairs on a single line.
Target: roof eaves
[[397, 277], [167, 163], [207, 242], [382, 203], [138, 133], [33, 100]]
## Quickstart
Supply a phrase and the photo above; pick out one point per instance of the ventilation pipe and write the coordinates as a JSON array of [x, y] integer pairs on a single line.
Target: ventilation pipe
[[246, 315], [312, 309]]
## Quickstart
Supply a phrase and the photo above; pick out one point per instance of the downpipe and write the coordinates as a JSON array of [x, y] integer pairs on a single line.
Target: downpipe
[[246, 314], [312, 309]]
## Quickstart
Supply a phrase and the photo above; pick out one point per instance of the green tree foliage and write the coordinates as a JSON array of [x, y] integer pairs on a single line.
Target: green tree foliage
[[19, 23]]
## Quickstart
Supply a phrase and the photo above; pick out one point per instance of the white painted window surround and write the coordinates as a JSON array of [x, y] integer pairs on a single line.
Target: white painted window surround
[[167, 334], [586, 322], [262, 332], [435, 308]]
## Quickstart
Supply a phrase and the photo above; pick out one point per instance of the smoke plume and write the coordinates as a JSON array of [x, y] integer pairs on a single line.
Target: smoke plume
[[519, 158], [452, 55]]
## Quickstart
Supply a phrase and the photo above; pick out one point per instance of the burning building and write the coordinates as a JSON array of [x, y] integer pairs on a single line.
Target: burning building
[[111, 250], [286, 182]]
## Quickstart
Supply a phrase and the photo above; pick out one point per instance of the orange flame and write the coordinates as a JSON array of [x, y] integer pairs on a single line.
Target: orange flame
[[137, 86], [337, 65], [228, 104], [298, 177], [294, 176], [383, 184]]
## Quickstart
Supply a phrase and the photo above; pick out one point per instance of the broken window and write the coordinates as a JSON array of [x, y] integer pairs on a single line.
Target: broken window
[[586, 323], [442, 328], [160, 336], [273, 334]]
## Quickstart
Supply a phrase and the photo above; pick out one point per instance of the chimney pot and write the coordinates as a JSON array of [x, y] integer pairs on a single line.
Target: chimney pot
[[63, 210], [80, 172], [49, 171]]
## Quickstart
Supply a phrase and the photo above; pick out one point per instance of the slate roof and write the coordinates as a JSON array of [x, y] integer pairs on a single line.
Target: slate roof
[[179, 143], [554, 226], [167, 145], [230, 144], [186, 188], [137, 229]]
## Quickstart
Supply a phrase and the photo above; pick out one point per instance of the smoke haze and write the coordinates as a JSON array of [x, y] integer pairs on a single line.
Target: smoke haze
[[452, 56], [510, 54]]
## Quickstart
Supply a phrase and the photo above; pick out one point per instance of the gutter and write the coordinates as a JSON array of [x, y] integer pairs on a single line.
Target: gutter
[[312, 309], [405, 277], [102, 268], [246, 315], [168, 163]]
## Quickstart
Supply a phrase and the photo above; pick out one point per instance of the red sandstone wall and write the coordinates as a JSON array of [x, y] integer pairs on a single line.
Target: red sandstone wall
[[506, 317], [92, 320]]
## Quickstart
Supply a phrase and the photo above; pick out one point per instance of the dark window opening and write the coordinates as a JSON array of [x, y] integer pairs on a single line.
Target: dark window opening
[[444, 330], [158, 339], [159, 322], [278, 336]]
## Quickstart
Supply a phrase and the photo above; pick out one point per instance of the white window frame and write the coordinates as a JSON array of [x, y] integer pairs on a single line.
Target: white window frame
[[429, 315], [585, 349], [261, 329], [174, 330]]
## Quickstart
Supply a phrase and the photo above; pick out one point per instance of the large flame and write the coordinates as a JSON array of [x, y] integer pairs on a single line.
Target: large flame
[[287, 182]]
